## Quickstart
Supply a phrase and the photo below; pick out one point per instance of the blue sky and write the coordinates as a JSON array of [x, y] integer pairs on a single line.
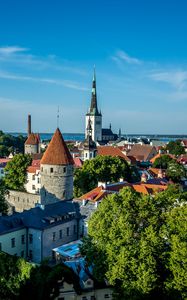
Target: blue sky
[[48, 49]]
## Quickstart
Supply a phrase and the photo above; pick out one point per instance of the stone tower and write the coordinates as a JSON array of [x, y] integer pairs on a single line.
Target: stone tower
[[32, 144], [94, 115], [56, 171], [89, 148]]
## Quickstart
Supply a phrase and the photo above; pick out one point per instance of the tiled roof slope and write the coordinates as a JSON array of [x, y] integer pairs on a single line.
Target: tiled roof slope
[[112, 151], [144, 188], [141, 152], [57, 152], [159, 155], [33, 139]]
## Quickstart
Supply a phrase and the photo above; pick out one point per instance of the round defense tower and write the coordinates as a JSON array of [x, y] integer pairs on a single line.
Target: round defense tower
[[56, 171], [32, 144]]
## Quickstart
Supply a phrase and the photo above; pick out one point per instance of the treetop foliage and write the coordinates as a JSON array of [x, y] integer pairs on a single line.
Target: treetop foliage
[[175, 147], [134, 240], [10, 144], [100, 168], [15, 169], [3, 202]]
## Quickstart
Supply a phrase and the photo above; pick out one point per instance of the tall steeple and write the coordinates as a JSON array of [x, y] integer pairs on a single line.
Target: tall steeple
[[94, 117], [93, 108]]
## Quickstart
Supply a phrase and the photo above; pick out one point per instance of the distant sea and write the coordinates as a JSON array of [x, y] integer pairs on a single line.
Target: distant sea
[[48, 136], [81, 136]]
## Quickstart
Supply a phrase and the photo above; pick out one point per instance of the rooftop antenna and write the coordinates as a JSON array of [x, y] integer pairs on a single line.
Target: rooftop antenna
[[58, 117]]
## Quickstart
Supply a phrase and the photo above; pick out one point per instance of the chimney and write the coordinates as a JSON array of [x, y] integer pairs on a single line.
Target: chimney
[[29, 124]]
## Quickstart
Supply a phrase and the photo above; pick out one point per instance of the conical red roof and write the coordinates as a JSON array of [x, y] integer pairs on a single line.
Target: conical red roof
[[57, 152], [32, 139]]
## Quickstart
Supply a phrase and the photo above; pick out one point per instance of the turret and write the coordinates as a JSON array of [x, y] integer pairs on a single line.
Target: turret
[[32, 144], [56, 171]]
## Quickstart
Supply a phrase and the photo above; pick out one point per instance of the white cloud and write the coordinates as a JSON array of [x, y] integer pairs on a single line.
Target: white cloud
[[176, 78], [65, 83], [9, 50], [122, 56], [17, 56]]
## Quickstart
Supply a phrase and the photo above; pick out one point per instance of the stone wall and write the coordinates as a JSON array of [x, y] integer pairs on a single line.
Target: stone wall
[[31, 149], [57, 181], [22, 200]]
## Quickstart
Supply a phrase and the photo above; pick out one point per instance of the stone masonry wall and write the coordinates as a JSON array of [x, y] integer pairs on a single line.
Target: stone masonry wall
[[22, 200], [57, 181]]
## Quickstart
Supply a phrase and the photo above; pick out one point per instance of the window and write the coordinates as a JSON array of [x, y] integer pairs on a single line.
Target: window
[[54, 236], [51, 170], [42, 169], [13, 242], [30, 238], [22, 253], [38, 180], [33, 187], [30, 254], [60, 234], [107, 296], [23, 239], [67, 231], [64, 169], [33, 177], [75, 229], [92, 298], [0, 247], [84, 298]]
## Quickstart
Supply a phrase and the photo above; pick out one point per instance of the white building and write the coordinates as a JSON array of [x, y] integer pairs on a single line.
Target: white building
[[33, 184]]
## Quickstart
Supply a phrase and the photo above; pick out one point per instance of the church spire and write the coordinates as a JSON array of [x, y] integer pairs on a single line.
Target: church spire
[[93, 107]]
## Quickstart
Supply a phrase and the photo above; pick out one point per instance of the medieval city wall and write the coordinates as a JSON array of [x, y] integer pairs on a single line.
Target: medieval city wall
[[22, 200]]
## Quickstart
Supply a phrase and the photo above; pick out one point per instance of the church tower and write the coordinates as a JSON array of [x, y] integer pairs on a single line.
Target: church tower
[[94, 116], [56, 171], [89, 148]]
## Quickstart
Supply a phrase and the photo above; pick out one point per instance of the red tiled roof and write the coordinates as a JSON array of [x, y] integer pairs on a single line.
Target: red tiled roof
[[32, 169], [184, 142], [4, 160], [78, 162], [36, 163], [100, 192], [111, 151], [141, 152], [159, 155], [57, 152], [32, 139]]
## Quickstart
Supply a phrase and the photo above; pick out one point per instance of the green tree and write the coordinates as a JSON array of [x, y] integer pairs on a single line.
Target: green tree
[[14, 272], [10, 143], [175, 171], [101, 168], [128, 246], [43, 282], [162, 161], [15, 169], [177, 256], [175, 147], [3, 202], [3, 151]]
